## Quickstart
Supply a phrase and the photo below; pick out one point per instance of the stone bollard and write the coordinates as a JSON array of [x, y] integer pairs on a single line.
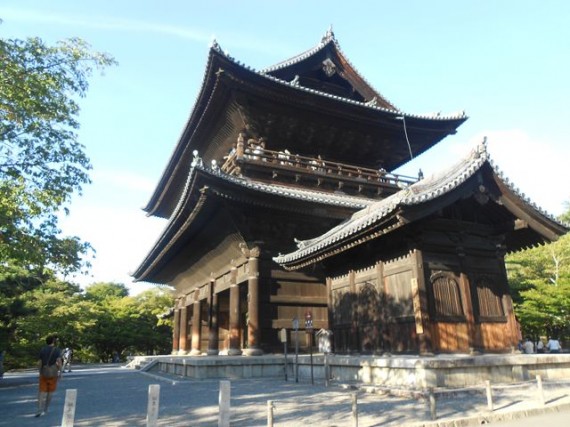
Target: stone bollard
[[153, 403], [69, 408], [270, 408], [224, 404], [489, 396], [540, 390], [327, 371], [354, 410], [432, 405]]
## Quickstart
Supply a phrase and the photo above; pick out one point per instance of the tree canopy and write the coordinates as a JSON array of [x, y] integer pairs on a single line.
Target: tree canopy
[[540, 284], [42, 163]]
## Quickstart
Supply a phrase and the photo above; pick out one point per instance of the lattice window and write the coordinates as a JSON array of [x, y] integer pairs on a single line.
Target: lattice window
[[446, 296], [489, 298]]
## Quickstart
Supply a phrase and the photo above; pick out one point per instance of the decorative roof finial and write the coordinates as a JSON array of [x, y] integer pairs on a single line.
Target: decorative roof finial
[[329, 35], [214, 44]]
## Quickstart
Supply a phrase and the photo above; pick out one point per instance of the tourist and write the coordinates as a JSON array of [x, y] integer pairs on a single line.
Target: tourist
[[49, 363], [553, 345], [540, 346], [67, 356], [528, 346]]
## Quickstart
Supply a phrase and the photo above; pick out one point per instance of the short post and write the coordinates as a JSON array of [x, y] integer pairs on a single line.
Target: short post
[[540, 390], [327, 371], [296, 329], [432, 407], [152, 407], [69, 408], [283, 338], [489, 396], [354, 410], [224, 404], [309, 331], [270, 413]]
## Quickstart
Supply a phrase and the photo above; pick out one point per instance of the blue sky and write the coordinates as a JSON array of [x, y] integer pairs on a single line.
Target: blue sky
[[506, 63]]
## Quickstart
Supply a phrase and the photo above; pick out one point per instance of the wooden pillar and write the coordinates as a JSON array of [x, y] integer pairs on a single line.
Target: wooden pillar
[[512, 337], [354, 339], [196, 325], [213, 329], [421, 308], [253, 304], [176, 331], [234, 349], [183, 340], [385, 342]]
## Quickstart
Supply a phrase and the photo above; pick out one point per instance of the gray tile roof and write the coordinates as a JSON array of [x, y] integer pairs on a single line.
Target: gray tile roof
[[427, 189], [330, 39]]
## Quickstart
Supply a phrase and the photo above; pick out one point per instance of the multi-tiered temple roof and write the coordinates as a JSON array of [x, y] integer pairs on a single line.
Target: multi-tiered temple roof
[[315, 104]]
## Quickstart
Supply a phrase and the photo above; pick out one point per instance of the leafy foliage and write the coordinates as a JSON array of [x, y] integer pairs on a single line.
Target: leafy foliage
[[95, 327], [42, 162], [540, 283]]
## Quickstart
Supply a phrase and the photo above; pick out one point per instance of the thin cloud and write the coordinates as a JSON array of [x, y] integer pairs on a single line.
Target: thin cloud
[[233, 41], [101, 23]]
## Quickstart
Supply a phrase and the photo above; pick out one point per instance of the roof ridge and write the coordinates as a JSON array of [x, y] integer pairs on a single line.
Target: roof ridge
[[325, 40]]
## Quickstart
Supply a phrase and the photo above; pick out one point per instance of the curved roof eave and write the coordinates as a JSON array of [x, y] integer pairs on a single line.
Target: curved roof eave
[[420, 192], [184, 213]]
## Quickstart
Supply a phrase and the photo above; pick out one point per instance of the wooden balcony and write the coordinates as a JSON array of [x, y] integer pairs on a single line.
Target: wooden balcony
[[300, 171]]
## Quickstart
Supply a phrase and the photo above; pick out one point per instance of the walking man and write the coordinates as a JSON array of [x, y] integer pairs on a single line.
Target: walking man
[[49, 362]]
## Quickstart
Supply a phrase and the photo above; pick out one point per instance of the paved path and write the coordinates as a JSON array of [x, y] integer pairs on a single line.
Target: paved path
[[114, 396]]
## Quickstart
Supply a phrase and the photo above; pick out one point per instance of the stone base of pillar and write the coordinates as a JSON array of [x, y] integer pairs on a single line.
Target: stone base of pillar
[[181, 352], [213, 352], [253, 352], [234, 352], [195, 353]]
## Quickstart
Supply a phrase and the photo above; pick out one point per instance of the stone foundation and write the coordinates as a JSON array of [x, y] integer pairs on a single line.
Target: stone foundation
[[410, 372]]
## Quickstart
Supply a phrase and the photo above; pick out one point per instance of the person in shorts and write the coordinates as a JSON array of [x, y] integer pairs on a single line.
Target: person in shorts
[[49, 356]]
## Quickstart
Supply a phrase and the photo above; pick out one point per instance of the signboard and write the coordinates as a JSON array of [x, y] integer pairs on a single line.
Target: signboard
[[283, 335]]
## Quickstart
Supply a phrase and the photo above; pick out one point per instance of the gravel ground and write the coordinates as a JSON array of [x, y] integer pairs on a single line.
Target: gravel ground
[[111, 395]]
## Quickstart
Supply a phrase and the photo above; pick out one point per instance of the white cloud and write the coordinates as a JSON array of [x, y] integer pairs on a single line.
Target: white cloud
[[124, 180], [102, 23], [121, 237]]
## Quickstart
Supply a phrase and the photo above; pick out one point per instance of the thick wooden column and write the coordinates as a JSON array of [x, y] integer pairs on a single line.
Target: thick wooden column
[[176, 331], [183, 339], [253, 304], [354, 339], [420, 304], [196, 325], [234, 349], [213, 329]]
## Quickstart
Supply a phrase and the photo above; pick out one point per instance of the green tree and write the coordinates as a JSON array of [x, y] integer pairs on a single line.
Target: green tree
[[42, 164], [540, 284]]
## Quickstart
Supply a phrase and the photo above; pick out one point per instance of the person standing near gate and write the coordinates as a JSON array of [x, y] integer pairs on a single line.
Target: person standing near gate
[[49, 363]]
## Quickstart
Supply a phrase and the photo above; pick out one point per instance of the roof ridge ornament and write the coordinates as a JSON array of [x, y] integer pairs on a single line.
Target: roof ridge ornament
[[329, 35], [481, 149], [215, 45]]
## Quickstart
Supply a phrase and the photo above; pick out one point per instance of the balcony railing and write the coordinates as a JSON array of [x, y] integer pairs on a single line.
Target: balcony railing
[[283, 162]]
